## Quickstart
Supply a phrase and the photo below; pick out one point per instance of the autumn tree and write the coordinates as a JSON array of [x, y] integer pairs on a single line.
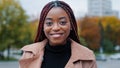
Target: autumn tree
[[12, 21], [90, 32], [111, 26]]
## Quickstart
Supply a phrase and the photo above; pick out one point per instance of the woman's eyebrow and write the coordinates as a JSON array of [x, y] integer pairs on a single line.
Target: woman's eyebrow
[[58, 18], [62, 18], [48, 19]]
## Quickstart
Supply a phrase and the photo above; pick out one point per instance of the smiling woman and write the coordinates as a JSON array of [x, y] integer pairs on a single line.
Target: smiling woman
[[57, 43], [57, 26]]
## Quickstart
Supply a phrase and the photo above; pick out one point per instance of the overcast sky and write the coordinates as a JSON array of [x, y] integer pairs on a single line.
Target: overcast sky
[[33, 7]]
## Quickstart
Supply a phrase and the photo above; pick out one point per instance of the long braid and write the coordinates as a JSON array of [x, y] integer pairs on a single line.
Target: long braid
[[40, 34]]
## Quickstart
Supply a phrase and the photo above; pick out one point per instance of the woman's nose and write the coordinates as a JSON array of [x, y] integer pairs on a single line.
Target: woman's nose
[[56, 27]]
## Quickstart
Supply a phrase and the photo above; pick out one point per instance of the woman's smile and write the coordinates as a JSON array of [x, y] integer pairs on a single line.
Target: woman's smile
[[56, 35]]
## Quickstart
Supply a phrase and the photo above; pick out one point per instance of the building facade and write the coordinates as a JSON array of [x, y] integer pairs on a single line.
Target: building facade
[[101, 8]]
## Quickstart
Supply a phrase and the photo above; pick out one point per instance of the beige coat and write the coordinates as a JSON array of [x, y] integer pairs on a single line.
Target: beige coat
[[81, 56]]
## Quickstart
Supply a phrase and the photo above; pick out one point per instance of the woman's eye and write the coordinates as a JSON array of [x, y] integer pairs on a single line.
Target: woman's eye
[[63, 23], [49, 23]]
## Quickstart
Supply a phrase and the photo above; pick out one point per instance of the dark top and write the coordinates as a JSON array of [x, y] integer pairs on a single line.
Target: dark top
[[56, 56]]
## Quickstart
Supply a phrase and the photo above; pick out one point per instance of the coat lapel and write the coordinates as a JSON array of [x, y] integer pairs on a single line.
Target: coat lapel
[[37, 50], [79, 53]]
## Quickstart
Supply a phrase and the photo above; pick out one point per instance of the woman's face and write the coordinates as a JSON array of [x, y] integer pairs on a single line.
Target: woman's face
[[57, 26]]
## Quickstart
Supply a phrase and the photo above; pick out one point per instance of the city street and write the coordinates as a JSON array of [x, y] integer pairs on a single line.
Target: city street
[[109, 64], [101, 64]]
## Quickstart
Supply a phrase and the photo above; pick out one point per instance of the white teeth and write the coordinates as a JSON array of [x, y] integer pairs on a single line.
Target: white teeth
[[56, 35]]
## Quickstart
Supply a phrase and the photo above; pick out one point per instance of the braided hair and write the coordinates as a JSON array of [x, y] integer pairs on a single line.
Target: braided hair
[[73, 33]]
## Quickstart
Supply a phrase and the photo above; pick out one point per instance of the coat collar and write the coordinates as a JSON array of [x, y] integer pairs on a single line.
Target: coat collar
[[35, 48], [79, 52]]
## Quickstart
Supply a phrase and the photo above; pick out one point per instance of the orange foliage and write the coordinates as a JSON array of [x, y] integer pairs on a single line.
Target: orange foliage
[[114, 23], [90, 30]]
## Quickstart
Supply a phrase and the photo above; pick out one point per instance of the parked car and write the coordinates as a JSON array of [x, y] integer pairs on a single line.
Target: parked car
[[115, 56], [101, 57]]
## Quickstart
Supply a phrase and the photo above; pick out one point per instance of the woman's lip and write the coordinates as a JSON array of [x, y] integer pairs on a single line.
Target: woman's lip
[[56, 33]]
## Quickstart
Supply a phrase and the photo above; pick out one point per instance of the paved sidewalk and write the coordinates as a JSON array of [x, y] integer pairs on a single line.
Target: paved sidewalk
[[109, 64], [9, 64], [101, 64]]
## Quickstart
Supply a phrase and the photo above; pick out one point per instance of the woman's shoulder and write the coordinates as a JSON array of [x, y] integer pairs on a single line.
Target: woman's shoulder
[[34, 46], [30, 46]]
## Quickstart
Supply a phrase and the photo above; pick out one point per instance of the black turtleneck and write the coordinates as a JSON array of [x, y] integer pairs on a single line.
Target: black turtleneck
[[56, 56]]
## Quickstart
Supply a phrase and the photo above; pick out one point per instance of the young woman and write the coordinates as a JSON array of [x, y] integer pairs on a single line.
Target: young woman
[[57, 43]]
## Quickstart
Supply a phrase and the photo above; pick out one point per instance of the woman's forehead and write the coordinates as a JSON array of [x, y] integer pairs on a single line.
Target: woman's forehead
[[57, 11]]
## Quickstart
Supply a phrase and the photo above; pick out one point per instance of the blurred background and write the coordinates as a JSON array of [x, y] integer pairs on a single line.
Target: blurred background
[[98, 28]]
